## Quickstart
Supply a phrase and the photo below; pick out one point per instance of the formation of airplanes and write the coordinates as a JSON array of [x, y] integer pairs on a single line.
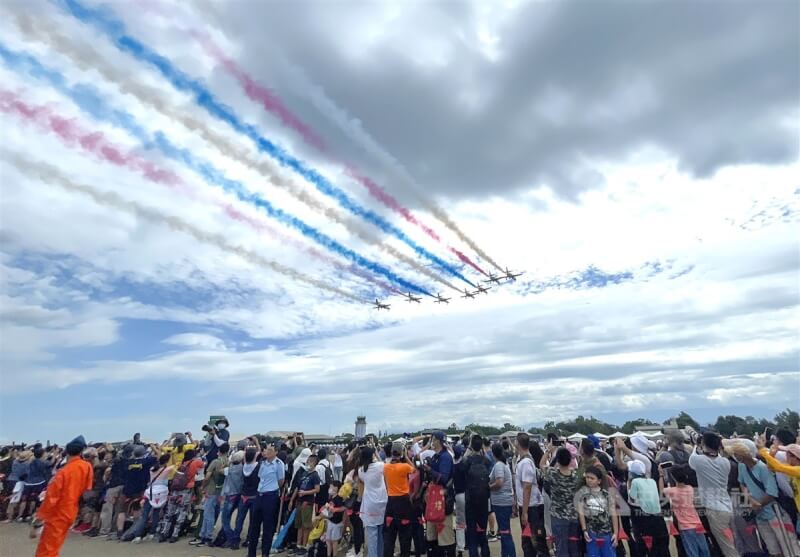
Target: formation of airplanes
[[501, 278]]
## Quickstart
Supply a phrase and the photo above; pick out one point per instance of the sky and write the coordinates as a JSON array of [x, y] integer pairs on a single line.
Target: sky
[[201, 200]]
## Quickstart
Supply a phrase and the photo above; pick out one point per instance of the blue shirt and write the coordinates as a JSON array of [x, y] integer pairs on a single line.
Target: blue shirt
[[441, 467], [269, 474], [767, 478]]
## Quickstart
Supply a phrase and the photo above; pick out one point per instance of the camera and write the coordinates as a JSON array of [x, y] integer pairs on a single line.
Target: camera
[[208, 428]]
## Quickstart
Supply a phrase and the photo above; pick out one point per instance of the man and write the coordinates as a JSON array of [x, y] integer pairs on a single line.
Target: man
[[439, 467], [786, 493], [531, 510], [460, 489], [218, 435], [115, 480], [180, 498], [211, 486], [304, 496], [325, 473], [712, 487], [677, 453], [476, 472], [60, 505], [176, 447], [136, 478], [398, 507], [264, 516]]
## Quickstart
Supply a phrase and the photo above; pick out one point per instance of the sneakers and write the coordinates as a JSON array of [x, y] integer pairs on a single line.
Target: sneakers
[[202, 543], [92, 532], [195, 541], [150, 538], [137, 539]]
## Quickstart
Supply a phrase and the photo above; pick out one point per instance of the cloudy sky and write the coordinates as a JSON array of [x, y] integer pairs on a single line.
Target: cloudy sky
[[186, 228]]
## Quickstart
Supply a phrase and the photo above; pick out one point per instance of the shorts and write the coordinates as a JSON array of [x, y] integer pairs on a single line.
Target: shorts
[[443, 536], [123, 502], [32, 492], [305, 513], [333, 532], [771, 537]]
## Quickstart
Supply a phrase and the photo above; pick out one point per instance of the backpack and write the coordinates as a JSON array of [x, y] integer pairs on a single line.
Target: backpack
[[328, 474], [477, 479], [180, 480]]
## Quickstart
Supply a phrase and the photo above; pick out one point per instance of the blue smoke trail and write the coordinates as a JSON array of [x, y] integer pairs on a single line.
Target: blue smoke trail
[[114, 29], [92, 103]]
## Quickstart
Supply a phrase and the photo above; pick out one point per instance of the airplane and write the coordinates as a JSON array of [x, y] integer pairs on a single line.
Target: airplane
[[410, 298], [513, 276], [482, 289], [468, 294], [441, 299], [493, 278], [380, 306]]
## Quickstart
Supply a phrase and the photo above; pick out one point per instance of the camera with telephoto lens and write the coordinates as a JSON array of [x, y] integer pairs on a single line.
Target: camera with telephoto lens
[[208, 428]]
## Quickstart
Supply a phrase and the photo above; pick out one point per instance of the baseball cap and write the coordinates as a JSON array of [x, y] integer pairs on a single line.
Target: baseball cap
[[438, 435]]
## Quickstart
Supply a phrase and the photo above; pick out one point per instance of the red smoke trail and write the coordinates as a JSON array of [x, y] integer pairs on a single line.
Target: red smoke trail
[[95, 143], [271, 103]]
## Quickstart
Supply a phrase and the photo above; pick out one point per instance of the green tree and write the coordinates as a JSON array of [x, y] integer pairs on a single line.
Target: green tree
[[730, 424], [510, 427], [683, 419], [630, 426], [788, 419], [453, 429]]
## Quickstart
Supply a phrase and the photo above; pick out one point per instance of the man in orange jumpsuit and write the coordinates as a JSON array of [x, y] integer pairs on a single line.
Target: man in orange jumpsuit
[[60, 505]]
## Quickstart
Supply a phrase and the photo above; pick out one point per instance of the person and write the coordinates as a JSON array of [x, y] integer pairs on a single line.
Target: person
[[530, 501], [19, 473], [791, 468], [491, 532], [761, 489], [325, 473], [597, 515], [334, 526], [247, 501], [786, 490], [338, 466], [155, 497], [303, 498], [398, 507], [115, 480], [60, 506], [439, 469], [712, 472], [501, 485], [562, 480], [460, 488], [231, 493], [211, 486], [36, 482], [176, 447], [215, 437], [476, 472], [180, 498], [264, 517], [649, 529], [136, 477], [681, 499], [374, 499], [678, 454]]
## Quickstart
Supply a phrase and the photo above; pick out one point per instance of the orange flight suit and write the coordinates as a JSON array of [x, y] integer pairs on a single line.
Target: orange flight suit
[[60, 505]]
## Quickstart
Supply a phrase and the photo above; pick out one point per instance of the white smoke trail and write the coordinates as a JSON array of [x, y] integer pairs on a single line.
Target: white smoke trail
[[53, 175], [86, 58]]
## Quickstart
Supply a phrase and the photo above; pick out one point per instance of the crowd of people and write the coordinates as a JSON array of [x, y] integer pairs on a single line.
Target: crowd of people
[[421, 496]]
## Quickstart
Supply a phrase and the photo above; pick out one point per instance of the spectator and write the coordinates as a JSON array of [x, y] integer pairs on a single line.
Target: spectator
[[398, 507], [791, 469], [650, 531], [529, 499], [231, 494], [562, 481], [374, 500], [175, 519], [271, 476], [459, 488], [439, 468], [38, 475], [155, 498], [304, 497], [136, 477], [211, 487], [19, 473], [712, 485], [681, 499], [334, 519], [597, 515], [247, 501], [476, 471], [502, 498]]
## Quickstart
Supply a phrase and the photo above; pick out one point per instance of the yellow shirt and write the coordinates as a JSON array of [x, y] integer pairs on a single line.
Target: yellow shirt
[[176, 457], [793, 472]]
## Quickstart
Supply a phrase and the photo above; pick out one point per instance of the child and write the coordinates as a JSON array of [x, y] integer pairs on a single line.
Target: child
[[681, 497], [597, 515], [648, 524], [334, 516]]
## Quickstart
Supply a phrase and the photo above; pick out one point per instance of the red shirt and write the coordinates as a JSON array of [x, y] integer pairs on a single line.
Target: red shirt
[[191, 471]]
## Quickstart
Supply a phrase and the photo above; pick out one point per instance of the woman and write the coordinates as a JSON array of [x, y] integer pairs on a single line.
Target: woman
[[563, 482], [502, 498], [155, 496], [231, 493], [373, 502], [19, 473], [597, 515]]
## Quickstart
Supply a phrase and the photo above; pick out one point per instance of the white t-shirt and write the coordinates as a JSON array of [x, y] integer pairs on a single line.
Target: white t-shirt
[[416, 449], [428, 453], [373, 502], [337, 462], [321, 471], [526, 472]]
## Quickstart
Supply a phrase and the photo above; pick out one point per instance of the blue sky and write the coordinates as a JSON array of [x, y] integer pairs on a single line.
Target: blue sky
[[659, 247]]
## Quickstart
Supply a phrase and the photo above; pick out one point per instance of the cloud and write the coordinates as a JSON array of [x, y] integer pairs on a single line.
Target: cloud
[[196, 341]]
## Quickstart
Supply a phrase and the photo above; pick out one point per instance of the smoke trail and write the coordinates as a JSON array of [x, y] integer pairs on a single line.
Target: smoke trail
[[114, 29], [274, 105], [88, 59], [52, 175], [96, 144], [89, 100]]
